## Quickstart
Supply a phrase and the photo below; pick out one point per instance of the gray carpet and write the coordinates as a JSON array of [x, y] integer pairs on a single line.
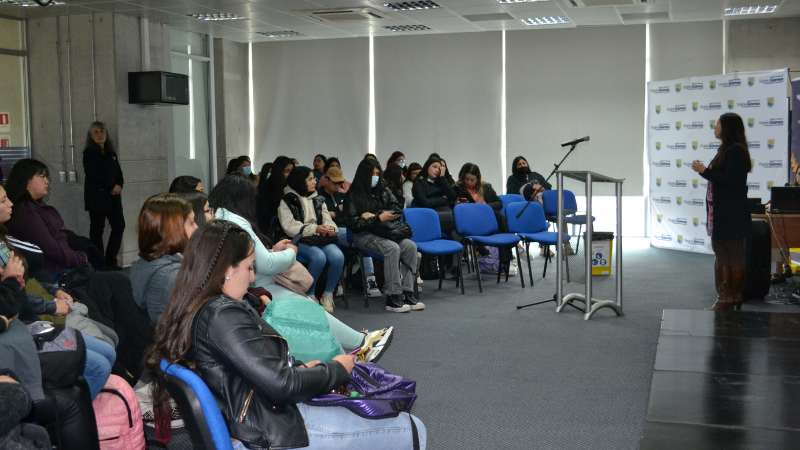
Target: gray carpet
[[492, 376]]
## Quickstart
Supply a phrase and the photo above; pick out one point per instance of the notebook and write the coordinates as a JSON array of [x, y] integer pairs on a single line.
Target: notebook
[[785, 200]]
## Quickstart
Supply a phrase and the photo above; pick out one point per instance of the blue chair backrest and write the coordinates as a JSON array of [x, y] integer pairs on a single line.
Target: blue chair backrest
[[550, 199], [202, 416], [349, 236], [531, 221], [507, 199], [475, 219], [570, 204], [413, 204], [424, 223]]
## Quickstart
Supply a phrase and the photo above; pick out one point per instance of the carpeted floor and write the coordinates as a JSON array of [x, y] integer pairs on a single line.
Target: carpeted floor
[[492, 376]]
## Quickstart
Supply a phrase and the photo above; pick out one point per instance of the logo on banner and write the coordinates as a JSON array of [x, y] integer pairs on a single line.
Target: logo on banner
[[694, 145], [749, 104], [771, 80], [678, 87], [695, 184], [753, 144], [769, 185], [751, 81], [713, 106], [730, 104], [710, 146], [660, 90], [752, 163], [712, 123], [751, 122], [695, 87], [677, 108], [678, 200], [693, 126], [770, 143], [695, 221], [662, 163], [678, 183], [658, 109], [679, 221], [677, 125], [753, 185], [658, 182], [658, 145], [696, 241], [661, 127], [663, 200], [694, 202], [712, 84], [663, 237], [771, 122], [680, 239], [772, 164], [659, 218], [678, 163], [677, 146], [735, 82], [770, 101], [694, 106]]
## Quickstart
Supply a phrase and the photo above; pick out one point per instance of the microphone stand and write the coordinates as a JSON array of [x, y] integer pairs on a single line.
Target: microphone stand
[[555, 168]]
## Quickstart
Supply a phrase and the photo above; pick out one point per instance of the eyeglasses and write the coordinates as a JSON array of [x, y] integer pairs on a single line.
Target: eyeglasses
[[209, 211]]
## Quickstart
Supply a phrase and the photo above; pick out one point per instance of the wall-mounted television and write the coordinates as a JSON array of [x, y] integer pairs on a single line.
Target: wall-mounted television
[[158, 88]]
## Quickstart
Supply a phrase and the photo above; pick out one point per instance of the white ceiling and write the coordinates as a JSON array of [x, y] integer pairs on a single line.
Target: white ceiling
[[280, 15]]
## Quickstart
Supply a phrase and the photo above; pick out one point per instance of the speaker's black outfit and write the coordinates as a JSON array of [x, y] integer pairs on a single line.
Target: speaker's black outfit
[[102, 171]]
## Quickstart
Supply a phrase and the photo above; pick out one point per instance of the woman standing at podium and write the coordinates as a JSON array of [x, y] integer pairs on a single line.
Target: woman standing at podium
[[726, 205]]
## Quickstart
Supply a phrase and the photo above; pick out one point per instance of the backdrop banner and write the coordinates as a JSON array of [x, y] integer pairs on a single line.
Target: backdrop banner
[[795, 155], [681, 116]]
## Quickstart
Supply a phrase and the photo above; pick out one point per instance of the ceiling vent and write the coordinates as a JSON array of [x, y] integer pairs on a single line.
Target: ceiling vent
[[645, 17], [488, 17], [342, 14], [595, 3]]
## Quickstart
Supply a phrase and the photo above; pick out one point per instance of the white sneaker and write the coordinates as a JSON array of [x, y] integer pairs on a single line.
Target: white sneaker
[[339, 291], [327, 302], [419, 280], [372, 287], [375, 342], [144, 396], [512, 268], [523, 255]]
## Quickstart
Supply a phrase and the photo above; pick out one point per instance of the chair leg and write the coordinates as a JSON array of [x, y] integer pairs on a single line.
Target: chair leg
[[460, 273], [546, 259], [519, 268], [343, 280], [440, 261], [530, 270], [416, 286], [363, 279], [478, 271]]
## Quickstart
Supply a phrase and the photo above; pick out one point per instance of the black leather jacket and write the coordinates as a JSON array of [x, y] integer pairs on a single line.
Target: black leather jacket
[[383, 200], [245, 364]]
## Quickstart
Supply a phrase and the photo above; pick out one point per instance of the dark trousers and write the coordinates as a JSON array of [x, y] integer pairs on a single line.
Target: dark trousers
[[97, 225]]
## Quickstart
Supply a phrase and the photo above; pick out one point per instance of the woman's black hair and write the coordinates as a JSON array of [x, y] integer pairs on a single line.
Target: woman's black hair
[[412, 167], [237, 194], [423, 176], [276, 182], [392, 177], [371, 156], [514, 170], [17, 182], [265, 169], [330, 161], [324, 159], [108, 146], [732, 134], [233, 165], [297, 180], [361, 187], [198, 202], [184, 183]]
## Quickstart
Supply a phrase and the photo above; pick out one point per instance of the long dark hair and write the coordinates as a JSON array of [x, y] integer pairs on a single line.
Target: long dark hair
[[515, 171], [330, 161], [297, 180], [233, 165], [393, 160], [471, 169], [422, 178], [184, 183], [266, 169], [392, 178], [213, 248], [108, 147], [198, 201], [361, 187], [411, 168], [276, 181], [17, 182], [732, 134]]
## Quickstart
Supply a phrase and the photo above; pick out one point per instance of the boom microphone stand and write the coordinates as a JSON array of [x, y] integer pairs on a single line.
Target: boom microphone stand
[[574, 144]]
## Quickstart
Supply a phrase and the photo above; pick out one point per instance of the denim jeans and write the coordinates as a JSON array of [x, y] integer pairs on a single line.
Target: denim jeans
[[335, 427], [100, 358], [317, 258], [369, 268]]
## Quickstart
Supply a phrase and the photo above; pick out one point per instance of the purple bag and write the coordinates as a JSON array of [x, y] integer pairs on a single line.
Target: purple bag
[[381, 394], [490, 263]]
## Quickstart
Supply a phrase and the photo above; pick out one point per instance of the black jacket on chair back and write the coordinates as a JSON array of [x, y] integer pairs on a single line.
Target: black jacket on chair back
[[245, 364]]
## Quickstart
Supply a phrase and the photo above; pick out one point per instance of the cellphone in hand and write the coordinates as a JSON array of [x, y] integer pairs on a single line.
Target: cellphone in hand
[[296, 239]]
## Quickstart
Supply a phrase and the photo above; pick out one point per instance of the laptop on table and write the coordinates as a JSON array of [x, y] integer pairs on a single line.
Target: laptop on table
[[785, 200]]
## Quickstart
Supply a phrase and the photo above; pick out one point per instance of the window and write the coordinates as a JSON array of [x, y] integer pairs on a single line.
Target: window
[[13, 94]]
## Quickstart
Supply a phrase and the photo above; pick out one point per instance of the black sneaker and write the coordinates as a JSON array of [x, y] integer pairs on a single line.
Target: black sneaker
[[394, 303], [408, 299]]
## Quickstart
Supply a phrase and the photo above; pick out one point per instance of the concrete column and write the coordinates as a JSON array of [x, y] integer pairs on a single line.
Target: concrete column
[[231, 74]]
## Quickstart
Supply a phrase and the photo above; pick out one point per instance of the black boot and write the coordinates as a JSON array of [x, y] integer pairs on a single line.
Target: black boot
[[408, 299], [394, 303]]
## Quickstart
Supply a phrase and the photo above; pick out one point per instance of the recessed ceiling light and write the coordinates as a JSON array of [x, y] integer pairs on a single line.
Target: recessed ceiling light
[[411, 6], [31, 2], [216, 16], [278, 34], [407, 28], [750, 10], [545, 20]]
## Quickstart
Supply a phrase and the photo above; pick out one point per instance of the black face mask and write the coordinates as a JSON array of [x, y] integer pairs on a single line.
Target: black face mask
[[524, 170]]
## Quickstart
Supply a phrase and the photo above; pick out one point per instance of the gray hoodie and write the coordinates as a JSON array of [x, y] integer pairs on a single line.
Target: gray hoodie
[[152, 283]]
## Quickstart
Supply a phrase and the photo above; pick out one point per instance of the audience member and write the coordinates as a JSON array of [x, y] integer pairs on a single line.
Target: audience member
[[524, 182], [15, 405], [208, 328], [393, 176], [102, 191], [334, 162], [397, 158], [303, 211], [413, 170], [432, 190], [368, 204], [446, 173], [199, 203], [320, 164], [271, 191], [241, 165], [295, 162], [371, 156], [185, 183], [265, 173]]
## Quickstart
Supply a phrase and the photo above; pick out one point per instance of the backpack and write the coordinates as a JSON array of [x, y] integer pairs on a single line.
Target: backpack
[[490, 263], [62, 353], [429, 267], [381, 394], [119, 418]]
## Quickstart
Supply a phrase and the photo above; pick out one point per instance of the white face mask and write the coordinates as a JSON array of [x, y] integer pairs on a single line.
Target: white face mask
[[247, 171], [375, 180], [402, 165]]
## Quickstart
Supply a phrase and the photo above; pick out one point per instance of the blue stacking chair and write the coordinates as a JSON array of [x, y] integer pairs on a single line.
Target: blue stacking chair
[[532, 227], [508, 199], [200, 411], [550, 200], [424, 223], [477, 223]]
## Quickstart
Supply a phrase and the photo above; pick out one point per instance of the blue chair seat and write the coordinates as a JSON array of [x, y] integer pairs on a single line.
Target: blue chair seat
[[581, 219], [545, 237], [439, 247], [496, 240]]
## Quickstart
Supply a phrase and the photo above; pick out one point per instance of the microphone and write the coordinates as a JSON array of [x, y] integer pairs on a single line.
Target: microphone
[[575, 141]]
